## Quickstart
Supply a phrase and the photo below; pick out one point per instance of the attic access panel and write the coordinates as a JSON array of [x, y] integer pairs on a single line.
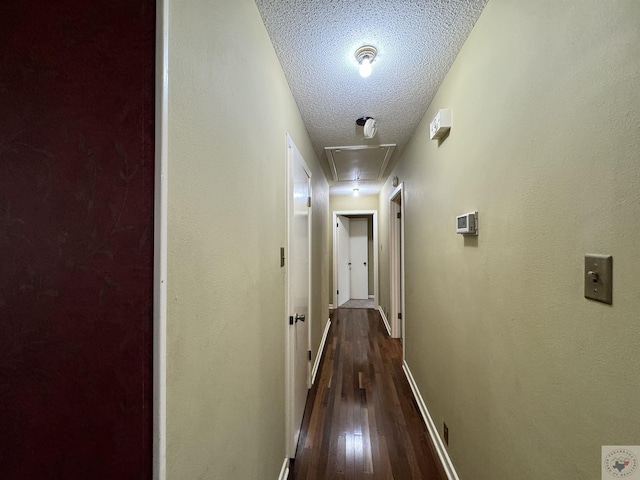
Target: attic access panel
[[366, 162]]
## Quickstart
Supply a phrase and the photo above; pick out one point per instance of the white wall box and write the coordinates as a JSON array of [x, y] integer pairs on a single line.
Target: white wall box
[[441, 124]]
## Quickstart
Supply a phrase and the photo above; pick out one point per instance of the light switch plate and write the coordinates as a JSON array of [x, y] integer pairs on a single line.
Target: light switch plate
[[598, 277]]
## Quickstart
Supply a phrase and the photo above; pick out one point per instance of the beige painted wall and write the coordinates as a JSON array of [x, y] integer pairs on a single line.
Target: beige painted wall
[[530, 376], [229, 110], [349, 202]]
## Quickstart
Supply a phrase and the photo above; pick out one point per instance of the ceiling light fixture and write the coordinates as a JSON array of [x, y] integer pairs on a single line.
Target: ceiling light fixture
[[356, 180], [365, 56]]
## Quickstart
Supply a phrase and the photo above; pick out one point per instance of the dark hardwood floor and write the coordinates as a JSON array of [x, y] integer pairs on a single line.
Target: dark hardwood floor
[[361, 421]]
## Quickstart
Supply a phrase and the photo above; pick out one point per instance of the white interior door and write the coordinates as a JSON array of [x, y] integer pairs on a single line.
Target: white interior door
[[359, 250], [396, 258], [299, 287], [341, 273], [343, 260]]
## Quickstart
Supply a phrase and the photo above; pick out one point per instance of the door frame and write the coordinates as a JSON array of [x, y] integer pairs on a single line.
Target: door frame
[[343, 229], [374, 214], [291, 437], [397, 263], [161, 189]]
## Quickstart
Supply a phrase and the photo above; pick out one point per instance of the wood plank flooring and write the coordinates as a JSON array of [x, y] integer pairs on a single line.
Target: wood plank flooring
[[361, 421]]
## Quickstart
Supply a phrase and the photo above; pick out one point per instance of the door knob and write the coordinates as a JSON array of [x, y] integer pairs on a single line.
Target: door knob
[[299, 318]]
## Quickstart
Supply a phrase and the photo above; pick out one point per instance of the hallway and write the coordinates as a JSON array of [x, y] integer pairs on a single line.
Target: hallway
[[147, 281], [361, 421]]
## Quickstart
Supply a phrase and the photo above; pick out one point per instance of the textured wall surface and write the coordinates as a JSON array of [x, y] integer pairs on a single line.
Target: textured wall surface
[[530, 377], [230, 108], [76, 231]]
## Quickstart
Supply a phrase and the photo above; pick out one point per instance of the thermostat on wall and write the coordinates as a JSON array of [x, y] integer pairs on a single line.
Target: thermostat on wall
[[467, 224]]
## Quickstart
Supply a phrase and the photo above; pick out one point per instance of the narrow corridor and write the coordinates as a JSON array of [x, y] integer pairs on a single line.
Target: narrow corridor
[[361, 421]]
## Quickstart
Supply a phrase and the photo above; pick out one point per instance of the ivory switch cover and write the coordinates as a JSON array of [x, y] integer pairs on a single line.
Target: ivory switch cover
[[598, 277]]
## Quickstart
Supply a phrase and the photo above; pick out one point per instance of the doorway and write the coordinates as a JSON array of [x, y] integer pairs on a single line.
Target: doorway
[[396, 260], [358, 258], [298, 291], [355, 256]]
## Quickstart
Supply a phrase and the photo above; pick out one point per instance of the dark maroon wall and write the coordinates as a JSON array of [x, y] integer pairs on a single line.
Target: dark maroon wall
[[76, 231]]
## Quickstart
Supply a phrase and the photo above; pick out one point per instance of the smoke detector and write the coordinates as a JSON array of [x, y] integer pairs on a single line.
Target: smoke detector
[[369, 124]]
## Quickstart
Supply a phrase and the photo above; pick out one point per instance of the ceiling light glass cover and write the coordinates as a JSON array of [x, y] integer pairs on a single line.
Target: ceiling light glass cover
[[365, 56]]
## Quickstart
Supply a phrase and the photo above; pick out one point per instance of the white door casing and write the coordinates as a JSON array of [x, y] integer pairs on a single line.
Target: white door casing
[[396, 260], [359, 253], [374, 260], [343, 255], [298, 290]]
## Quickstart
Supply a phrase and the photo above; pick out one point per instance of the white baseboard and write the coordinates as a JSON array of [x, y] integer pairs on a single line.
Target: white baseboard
[[332, 306], [441, 450], [384, 319], [316, 364], [284, 471]]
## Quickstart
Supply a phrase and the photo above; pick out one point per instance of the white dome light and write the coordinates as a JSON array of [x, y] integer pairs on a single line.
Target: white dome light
[[365, 56], [365, 67]]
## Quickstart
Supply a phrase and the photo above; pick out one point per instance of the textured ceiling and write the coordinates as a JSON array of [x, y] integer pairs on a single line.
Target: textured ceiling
[[315, 40]]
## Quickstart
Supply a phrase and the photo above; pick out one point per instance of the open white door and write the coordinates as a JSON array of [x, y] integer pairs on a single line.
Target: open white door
[[298, 290], [359, 253], [343, 260]]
